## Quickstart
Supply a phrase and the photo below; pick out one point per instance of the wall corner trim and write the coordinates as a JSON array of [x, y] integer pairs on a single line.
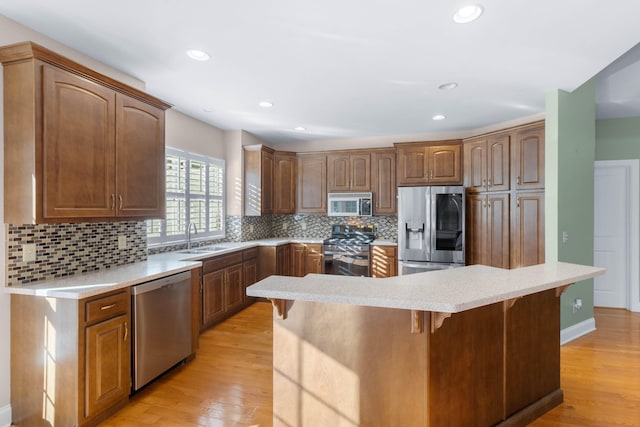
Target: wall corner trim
[[576, 331], [5, 416]]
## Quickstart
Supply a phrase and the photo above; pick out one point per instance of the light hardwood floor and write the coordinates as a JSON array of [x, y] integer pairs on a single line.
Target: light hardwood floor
[[229, 382]]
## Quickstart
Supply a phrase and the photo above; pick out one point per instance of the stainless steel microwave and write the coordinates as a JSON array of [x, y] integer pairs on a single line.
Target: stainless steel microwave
[[349, 204]]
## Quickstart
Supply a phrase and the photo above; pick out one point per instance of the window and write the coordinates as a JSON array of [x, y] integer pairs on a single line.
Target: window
[[195, 193]]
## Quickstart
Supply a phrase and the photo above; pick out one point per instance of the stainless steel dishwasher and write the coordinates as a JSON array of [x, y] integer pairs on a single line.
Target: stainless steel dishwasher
[[161, 326]]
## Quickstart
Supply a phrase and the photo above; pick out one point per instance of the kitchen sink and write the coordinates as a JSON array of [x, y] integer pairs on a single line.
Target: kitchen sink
[[198, 251]]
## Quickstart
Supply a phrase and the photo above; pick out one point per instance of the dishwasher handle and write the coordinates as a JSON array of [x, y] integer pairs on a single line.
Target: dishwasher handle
[[160, 283]]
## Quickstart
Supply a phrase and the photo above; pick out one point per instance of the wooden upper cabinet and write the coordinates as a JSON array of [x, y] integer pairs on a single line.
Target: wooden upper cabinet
[[284, 193], [528, 158], [312, 183], [140, 182], [258, 180], [383, 182], [486, 164], [348, 172], [79, 146], [429, 164]]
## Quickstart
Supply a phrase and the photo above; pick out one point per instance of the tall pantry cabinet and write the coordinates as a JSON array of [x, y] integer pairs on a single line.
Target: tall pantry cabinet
[[504, 181]]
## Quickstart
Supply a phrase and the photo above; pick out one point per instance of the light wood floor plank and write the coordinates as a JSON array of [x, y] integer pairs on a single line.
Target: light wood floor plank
[[229, 383]]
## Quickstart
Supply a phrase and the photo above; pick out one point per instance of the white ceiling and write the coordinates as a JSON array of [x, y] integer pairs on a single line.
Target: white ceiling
[[354, 68]]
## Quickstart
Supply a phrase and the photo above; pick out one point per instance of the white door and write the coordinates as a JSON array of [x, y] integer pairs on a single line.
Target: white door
[[614, 238]]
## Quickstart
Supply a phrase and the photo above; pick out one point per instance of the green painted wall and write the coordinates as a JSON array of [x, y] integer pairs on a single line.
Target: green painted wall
[[618, 139], [569, 156]]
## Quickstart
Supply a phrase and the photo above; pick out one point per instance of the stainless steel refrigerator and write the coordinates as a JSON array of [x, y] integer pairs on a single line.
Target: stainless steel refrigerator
[[431, 226]]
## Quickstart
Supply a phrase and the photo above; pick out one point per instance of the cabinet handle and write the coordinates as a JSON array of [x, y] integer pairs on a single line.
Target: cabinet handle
[[484, 182], [113, 201], [431, 175], [107, 307], [120, 199], [489, 183], [518, 203], [518, 180], [126, 332]]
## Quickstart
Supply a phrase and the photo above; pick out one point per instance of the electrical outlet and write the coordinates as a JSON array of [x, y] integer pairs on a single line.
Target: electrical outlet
[[285, 226], [250, 228], [29, 252], [565, 236], [122, 241], [303, 225], [577, 305]]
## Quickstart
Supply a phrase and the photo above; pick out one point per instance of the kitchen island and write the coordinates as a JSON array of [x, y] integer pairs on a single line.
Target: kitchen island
[[473, 346]]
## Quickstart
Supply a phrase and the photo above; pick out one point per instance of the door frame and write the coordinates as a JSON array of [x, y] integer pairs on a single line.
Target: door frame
[[632, 169]]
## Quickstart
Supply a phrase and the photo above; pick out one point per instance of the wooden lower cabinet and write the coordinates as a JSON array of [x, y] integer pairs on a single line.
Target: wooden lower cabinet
[[527, 229], [225, 279], [85, 375], [384, 261], [306, 258], [488, 229], [283, 260]]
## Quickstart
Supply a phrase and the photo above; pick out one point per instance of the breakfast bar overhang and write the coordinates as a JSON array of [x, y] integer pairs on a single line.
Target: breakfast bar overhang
[[472, 346]]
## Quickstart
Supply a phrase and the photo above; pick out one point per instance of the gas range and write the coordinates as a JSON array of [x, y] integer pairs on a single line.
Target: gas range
[[346, 252]]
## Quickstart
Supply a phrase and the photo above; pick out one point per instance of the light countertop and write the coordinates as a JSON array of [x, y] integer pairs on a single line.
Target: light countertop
[[160, 265], [450, 291]]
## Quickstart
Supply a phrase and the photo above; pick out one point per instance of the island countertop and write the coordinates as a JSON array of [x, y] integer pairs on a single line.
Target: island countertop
[[448, 291]]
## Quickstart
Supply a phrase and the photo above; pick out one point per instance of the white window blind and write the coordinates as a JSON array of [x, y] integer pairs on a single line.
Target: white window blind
[[195, 193]]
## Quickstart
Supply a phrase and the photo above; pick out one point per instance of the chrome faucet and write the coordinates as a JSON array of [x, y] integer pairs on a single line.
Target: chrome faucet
[[195, 231]]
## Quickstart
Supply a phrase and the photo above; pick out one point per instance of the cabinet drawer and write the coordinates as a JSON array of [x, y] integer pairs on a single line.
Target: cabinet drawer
[[107, 307], [221, 262], [314, 248], [250, 254]]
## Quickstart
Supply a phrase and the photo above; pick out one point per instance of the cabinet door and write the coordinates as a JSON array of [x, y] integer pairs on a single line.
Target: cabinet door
[[283, 260], [266, 183], [360, 172], [298, 264], [475, 166], [108, 366], [383, 182], [314, 259], [444, 164], [78, 149], [384, 261], [338, 172], [528, 159], [284, 198], [213, 298], [312, 184], [497, 237], [412, 165], [527, 233], [140, 185], [476, 230], [249, 277], [234, 288], [498, 163]]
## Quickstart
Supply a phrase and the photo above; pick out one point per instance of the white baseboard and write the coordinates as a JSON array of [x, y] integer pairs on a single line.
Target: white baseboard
[[5, 416], [576, 331]]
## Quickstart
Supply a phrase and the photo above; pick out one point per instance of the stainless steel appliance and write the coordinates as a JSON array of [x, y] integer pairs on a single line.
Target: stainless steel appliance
[[347, 251], [161, 326], [349, 204], [430, 228]]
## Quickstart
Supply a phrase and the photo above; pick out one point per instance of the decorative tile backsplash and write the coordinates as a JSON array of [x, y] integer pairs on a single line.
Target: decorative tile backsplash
[[67, 249]]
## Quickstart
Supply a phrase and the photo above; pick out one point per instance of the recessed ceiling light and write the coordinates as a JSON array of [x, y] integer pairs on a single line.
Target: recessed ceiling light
[[299, 128], [198, 55], [265, 104], [438, 117], [448, 86], [467, 14], [208, 109]]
